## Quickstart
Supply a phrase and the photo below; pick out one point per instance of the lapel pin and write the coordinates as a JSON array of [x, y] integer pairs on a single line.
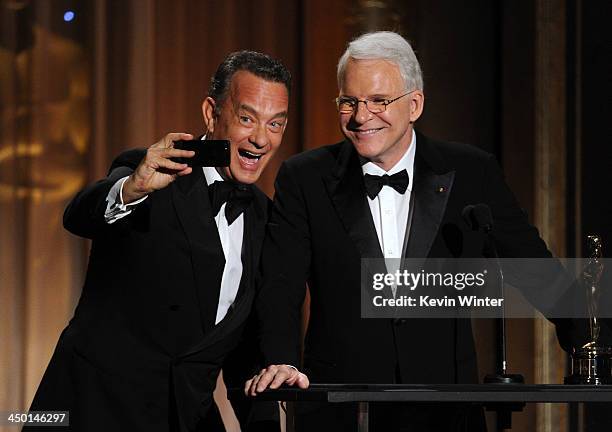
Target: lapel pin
[[440, 189]]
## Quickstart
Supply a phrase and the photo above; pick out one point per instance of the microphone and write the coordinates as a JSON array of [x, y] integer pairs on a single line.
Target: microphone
[[479, 218]]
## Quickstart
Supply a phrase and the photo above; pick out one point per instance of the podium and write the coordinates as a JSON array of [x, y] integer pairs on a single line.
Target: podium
[[502, 398]]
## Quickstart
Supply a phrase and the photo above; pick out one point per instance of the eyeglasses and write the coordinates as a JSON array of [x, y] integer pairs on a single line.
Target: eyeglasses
[[348, 105]]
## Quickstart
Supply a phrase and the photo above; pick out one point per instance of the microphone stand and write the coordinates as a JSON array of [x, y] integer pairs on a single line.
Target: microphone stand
[[504, 413], [501, 377], [479, 217]]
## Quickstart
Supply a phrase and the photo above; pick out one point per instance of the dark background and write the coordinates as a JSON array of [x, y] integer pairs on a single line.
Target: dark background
[[526, 80]]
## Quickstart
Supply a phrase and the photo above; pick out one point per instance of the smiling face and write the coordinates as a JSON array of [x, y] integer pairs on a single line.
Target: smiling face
[[382, 138], [253, 118]]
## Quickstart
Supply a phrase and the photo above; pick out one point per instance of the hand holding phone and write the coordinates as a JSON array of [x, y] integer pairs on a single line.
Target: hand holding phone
[[157, 169]]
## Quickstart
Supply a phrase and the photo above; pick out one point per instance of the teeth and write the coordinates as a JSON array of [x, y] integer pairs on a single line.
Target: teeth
[[252, 155], [368, 131]]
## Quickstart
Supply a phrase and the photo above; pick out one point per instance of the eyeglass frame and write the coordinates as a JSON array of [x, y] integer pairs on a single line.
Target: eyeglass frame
[[384, 103]]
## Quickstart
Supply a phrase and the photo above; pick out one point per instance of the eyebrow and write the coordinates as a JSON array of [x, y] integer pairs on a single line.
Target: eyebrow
[[255, 113], [378, 95]]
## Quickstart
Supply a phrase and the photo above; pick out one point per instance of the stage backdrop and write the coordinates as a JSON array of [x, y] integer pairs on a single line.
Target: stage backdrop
[[521, 79]]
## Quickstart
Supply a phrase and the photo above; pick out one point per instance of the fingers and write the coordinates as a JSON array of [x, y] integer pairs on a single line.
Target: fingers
[[170, 165], [299, 379], [186, 171], [158, 159], [168, 140], [158, 168], [251, 385], [170, 152], [282, 377], [247, 385], [254, 384], [273, 377], [303, 382], [261, 381]]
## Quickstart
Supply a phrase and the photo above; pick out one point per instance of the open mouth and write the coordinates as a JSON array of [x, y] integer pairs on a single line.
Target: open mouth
[[250, 155], [249, 160]]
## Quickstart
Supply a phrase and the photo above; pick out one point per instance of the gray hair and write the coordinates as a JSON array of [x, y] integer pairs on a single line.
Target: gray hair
[[384, 45]]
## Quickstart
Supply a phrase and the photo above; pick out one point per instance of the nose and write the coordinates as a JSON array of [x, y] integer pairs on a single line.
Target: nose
[[259, 137], [361, 114]]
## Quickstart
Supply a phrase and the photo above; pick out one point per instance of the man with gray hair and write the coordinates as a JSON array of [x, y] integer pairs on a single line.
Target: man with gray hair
[[386, 191]]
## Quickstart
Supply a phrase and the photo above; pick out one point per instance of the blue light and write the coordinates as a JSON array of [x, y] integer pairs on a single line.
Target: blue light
[[68, 16]]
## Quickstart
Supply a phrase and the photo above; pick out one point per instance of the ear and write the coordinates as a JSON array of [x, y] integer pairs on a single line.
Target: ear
[[208, 114], [417, 102]]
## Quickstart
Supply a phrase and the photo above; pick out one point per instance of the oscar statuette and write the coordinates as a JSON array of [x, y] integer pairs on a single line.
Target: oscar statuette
[[592, 363]]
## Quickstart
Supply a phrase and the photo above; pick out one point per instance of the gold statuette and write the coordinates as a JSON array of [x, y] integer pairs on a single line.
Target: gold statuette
[[592, 363]]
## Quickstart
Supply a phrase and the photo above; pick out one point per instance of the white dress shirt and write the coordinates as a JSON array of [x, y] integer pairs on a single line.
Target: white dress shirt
[[390, 208], [230, 236]]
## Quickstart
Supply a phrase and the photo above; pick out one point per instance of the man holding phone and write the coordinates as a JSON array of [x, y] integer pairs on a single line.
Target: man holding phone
[[173, 264]]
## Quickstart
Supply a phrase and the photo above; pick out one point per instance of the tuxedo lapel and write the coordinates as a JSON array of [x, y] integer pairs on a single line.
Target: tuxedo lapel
[[433, 182], [254, 227], [192, 205], [346, 189], [257, 216]]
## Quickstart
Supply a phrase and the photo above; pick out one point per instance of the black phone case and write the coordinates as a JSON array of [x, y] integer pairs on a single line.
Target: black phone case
[[209, 153]]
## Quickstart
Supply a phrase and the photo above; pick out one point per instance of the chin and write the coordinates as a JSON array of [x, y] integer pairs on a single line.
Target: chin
[[367, 151], [246, 177]]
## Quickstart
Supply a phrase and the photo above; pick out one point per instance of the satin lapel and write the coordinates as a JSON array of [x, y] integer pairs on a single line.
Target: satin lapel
[[234, 318], [192, 205], [347, 191], [433, 182], [256, 216], [254, 226]]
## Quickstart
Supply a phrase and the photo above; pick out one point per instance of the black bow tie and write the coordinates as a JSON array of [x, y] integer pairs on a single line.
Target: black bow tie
[[237, 196], [374, 183]]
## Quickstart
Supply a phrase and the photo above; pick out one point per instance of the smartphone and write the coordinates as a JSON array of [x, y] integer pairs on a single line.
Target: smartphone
[[208, 153]]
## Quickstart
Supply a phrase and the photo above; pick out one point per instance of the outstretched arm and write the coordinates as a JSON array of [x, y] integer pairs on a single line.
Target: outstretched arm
[[133, 175]]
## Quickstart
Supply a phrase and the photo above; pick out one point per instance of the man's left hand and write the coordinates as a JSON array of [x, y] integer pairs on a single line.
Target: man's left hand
[[273, 377]]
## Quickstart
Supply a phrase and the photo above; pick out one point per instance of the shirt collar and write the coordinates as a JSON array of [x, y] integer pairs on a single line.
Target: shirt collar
[[211, 175], [405, 163]]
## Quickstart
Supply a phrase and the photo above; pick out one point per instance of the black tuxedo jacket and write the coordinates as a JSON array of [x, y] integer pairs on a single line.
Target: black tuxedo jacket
[[142, 351], [320, 228]]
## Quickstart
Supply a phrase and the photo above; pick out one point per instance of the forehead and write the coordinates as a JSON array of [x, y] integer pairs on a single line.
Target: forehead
[[371, 77], [258, 93]]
